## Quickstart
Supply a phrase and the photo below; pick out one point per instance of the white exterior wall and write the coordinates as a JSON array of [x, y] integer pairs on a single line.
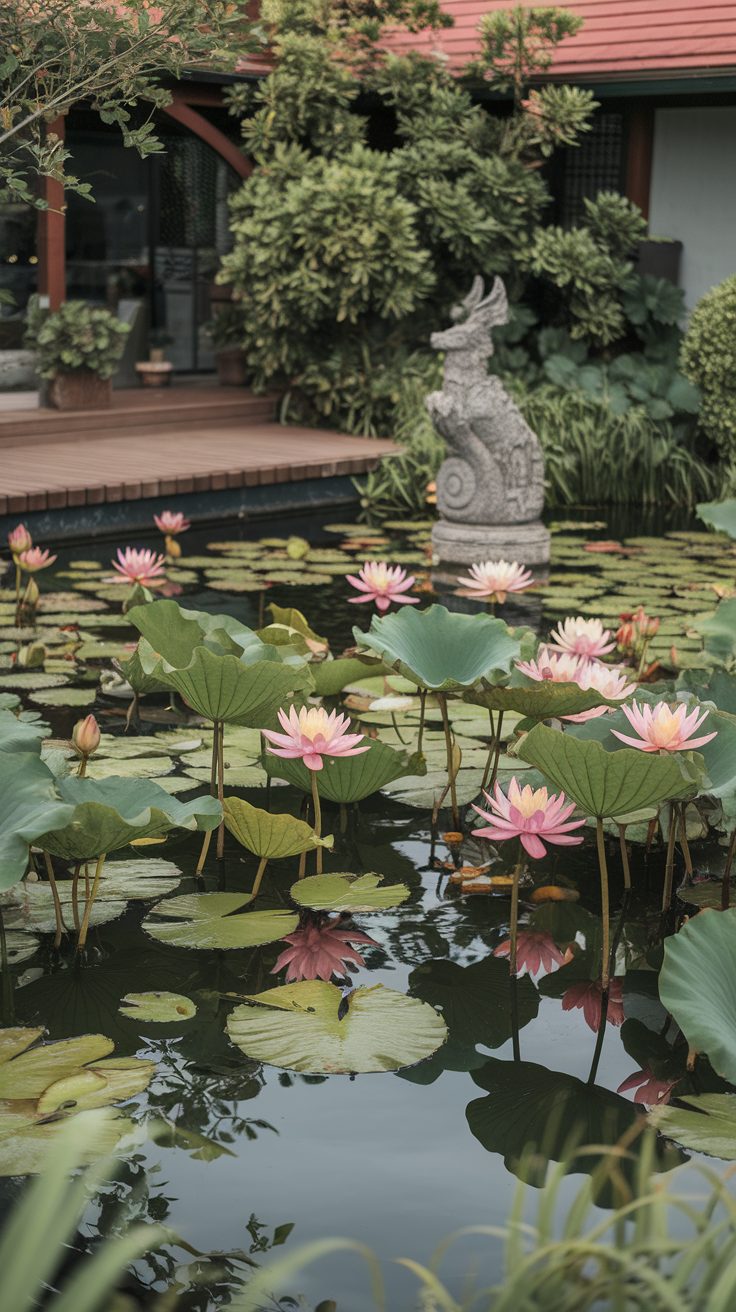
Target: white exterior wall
[[693, 194]]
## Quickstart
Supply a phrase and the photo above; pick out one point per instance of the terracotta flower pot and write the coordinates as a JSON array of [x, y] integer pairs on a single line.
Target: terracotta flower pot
[[154, 373], [80, 390], [231, 367]]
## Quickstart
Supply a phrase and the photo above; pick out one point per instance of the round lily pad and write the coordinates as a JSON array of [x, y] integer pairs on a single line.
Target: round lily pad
[[346, 892], [64, 696], [210, 920], [159, 1008]]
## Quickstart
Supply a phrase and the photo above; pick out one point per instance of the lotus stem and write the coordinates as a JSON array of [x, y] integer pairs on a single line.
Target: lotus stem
[[491, 749], [213, 792], [221, 786], [450, 763], [624, 856], [82, 940], [259, 875], [422, 711], [515, 1043], [684, 844], [600, 1036], [514, 925], [17, 585], [317, 817], [203, 854], [397, 730], [302, 865], [75, 895], [726, 881], [605, 911], [497, 753], [81, 772], [60, 926], [670, 862]]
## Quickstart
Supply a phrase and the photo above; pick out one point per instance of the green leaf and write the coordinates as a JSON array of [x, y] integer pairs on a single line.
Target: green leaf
[[330, 677], [266, 835], [720, 515], [157, 1007], [29, 802], [601, 783], [441, 649], [110, 813], [345, 778], [697, 985], [346, 892], [710, 1128], [210, 920], [539, 701], [719, 630], [297, 1027]]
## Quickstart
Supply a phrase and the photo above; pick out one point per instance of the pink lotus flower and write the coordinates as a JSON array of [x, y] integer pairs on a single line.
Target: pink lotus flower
[[494, 579], [382, 584], [34, 559], [649, 1090], [171, 522], [663, 730], [588, 995], [530, 815], [19, 539], [535, 950], [611, 681], [553, 666], [311, 734], [581, 637], [321, 951], [139, 566]]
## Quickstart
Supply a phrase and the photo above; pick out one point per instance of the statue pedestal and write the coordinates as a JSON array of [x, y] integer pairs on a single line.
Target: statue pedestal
[[470, 544]]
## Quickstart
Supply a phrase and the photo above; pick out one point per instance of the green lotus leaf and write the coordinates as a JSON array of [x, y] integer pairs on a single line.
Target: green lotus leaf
[[159, 1008], [223, 688], [25, 1144], [300, 1027], [720, 515], [539, 701], [110, 813], [289, 627], [697, 985], [266, 835], [345, 778], [18, 735], [346, 892], [716, 686], [719, 630], [330, 677], [29, 802], [175, 633], [441, 649], [211, 920], [134, 674], [710, 1128], [25, 1072], [601, 783]]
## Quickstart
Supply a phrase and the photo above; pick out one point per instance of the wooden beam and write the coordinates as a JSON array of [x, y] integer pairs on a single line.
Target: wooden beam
[[206, 131], [640, 124], [52, 235]]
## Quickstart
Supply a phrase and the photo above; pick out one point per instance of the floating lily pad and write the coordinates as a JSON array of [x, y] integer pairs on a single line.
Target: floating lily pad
[[160, 1008], [216, 920], [64, 696], [32, 679], [346, 892], [709, 1128], [300, 1027]]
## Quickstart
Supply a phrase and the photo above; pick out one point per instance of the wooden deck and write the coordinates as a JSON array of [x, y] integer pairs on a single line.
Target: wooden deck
[[163, 443]]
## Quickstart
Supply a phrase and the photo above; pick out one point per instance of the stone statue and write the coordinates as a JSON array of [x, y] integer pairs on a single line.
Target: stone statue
[[493, 476]]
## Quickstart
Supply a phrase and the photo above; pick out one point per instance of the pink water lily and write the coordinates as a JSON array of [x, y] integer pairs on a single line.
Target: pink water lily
[[321, 951], [172, 522], [493, 580], [582, 637], [310, 734], [19, 539], [35, 558], [662, 729], [611, 681], [139, 566], [530, 815], [649, 1090], [535, 950], [588, 996], [552, 666], [382, 583]]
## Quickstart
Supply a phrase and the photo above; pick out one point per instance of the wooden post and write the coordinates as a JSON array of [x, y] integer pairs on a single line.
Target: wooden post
[[52, 237], [640, 125]]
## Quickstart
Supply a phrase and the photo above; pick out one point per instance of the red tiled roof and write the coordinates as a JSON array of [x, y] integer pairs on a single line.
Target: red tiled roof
[[620, 39]]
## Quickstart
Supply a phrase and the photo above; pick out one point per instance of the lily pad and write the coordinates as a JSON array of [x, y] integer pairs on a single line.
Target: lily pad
[[301, 1027], [271, 836], [161, 1008], [346, 892], [211, 920], [64, 696], [709, 1128], [440, 649]]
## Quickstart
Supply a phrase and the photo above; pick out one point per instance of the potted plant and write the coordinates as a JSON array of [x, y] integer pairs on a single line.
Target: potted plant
[[226, 330], [79, 347], [156, 371]]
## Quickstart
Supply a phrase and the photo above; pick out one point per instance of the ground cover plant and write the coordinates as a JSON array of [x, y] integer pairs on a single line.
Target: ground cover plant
[[292, 817]]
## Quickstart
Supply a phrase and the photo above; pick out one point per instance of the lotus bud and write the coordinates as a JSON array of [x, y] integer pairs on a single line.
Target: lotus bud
[[31, 594], [173, 550], [19, 539], [86, 736], [31, 656]]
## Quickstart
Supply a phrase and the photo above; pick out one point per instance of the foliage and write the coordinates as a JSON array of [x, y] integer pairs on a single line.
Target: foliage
[[80, 336], [439, 649], [399, 486], [519, 42], [708, 359], [697, 984], [116, 57]]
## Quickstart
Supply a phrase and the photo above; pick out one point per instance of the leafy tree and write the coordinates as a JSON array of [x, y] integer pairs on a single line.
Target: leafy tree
[[55, 53], [708, 359]]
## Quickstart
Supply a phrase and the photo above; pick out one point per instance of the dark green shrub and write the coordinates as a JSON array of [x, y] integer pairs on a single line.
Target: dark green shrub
[[79, 336], [708, 359]]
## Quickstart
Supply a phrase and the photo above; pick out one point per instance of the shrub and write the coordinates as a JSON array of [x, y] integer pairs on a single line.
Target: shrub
[[398, 487], [79, 336], [708, 359]]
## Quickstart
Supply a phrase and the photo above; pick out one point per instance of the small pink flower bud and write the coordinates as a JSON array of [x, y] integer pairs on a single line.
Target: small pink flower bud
[[19, 539], [86, 736]]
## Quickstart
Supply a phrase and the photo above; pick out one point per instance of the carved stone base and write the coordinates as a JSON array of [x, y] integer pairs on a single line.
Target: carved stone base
[[468, 544]]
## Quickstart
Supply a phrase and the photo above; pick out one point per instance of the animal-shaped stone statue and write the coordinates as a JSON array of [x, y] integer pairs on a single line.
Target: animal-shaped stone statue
[[494, 472]]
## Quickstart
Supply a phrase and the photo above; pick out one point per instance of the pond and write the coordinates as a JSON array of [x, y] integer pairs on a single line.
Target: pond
[[254, 1156]]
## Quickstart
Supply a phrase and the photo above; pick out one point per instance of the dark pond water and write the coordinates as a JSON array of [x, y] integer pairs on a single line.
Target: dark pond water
[[397, 1161]]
